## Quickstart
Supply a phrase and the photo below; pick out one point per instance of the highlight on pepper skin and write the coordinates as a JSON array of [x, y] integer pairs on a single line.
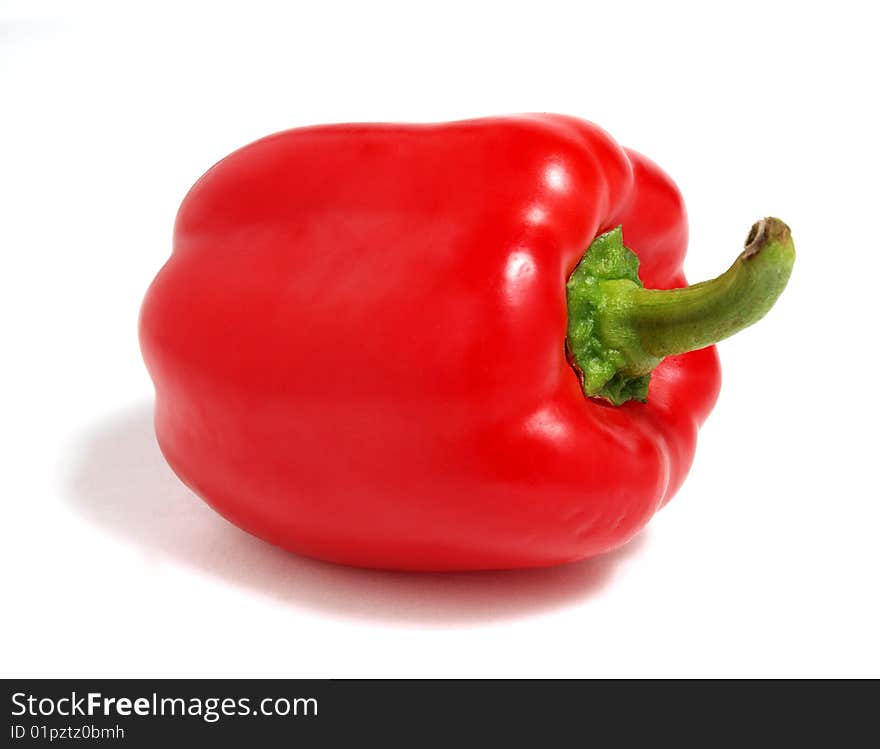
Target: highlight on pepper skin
[[457, 346]]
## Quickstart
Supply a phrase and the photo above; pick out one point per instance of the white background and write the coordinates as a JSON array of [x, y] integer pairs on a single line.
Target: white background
[[766, 563]]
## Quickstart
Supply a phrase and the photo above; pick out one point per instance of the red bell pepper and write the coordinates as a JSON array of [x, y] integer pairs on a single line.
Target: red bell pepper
[[384, 345]]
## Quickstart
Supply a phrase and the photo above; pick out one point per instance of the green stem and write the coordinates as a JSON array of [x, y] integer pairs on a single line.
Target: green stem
[[619, 332], [679, 320]]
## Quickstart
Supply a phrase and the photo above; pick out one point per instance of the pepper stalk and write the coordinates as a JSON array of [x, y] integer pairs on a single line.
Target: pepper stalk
[[619, 331]]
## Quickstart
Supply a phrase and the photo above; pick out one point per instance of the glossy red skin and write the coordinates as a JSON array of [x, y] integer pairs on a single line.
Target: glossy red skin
[[358, 344]]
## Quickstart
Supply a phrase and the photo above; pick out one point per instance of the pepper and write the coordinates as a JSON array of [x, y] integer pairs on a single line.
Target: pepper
[[441, 347]]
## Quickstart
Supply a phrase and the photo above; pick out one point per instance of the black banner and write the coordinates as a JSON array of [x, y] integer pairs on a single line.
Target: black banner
[[138, 713]]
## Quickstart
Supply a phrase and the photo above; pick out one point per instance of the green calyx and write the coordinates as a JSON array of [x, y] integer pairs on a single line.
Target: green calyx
[[619, 332], [596, 294]]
